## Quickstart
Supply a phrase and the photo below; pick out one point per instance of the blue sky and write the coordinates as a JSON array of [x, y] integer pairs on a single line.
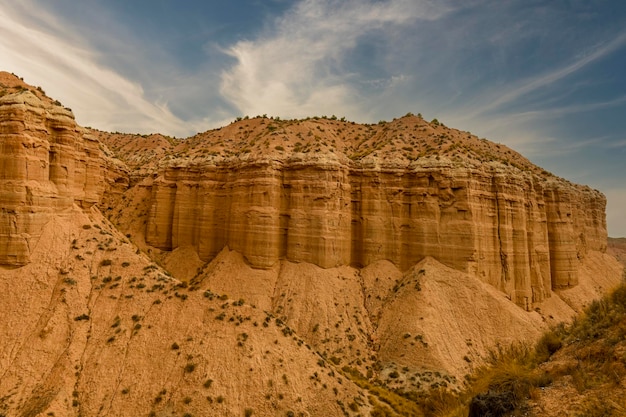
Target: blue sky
[[547, 78]]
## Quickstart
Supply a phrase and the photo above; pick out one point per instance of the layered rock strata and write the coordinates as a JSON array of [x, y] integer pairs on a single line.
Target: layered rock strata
[[47, 163], [515, 230], [353, 196]]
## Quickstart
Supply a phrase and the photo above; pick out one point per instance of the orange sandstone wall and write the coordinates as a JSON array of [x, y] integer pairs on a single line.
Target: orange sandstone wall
[[519, 232], [46, 165]]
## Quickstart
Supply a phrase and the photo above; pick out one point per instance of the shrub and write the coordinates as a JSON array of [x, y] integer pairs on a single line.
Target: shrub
[[496, 404], [105, 262], [508, 378], [549, 343]]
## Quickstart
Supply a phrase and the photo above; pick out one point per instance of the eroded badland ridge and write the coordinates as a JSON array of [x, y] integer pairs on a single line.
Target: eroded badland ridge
[[238, 271]]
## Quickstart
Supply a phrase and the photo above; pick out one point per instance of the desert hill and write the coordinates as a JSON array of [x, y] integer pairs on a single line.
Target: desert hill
[[589, 368], [276, 259]]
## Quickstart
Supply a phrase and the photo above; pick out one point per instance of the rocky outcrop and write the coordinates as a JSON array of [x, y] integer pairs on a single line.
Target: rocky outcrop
[[520, 232], [47, 164], [275, 190]]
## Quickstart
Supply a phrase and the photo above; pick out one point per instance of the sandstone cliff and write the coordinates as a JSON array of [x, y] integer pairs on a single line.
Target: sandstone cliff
[[47, 164], [331, 193]]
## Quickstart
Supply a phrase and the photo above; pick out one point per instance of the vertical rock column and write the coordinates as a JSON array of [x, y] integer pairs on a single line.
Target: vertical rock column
[[319, 214], [161, 216], [537, 241], [212, 223], [456, 230], [513, 221], [561, 236], [511, 244], [28, 194], [89, 180], [254, 214], [404, 216]]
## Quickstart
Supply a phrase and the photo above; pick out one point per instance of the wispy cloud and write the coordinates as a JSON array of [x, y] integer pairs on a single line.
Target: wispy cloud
[[515, 126], [298, 69], [35, 46], [499, 98], [617, 144]]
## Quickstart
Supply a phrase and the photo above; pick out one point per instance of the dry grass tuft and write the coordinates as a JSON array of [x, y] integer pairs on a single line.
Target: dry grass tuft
[[591, 358]]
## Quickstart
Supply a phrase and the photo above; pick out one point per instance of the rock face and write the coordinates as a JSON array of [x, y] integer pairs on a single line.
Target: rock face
[[517, 231], [319, 191], [47, 164]]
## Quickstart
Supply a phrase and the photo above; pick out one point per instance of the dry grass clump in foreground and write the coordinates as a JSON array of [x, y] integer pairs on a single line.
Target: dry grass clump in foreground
[[587, 358], [576, 370]]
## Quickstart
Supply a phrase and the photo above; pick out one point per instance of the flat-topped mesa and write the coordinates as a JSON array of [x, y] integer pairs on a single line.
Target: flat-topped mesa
[[521, 232], [47, 163]]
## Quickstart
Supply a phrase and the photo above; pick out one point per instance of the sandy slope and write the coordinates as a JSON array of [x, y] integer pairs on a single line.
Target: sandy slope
[[428, 319], [93, 328]]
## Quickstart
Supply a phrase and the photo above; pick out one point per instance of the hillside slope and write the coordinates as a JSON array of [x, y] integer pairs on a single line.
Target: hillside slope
[[93, 328]]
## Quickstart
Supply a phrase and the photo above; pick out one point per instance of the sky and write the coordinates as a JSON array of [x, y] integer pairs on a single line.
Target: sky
[[546, 78]]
